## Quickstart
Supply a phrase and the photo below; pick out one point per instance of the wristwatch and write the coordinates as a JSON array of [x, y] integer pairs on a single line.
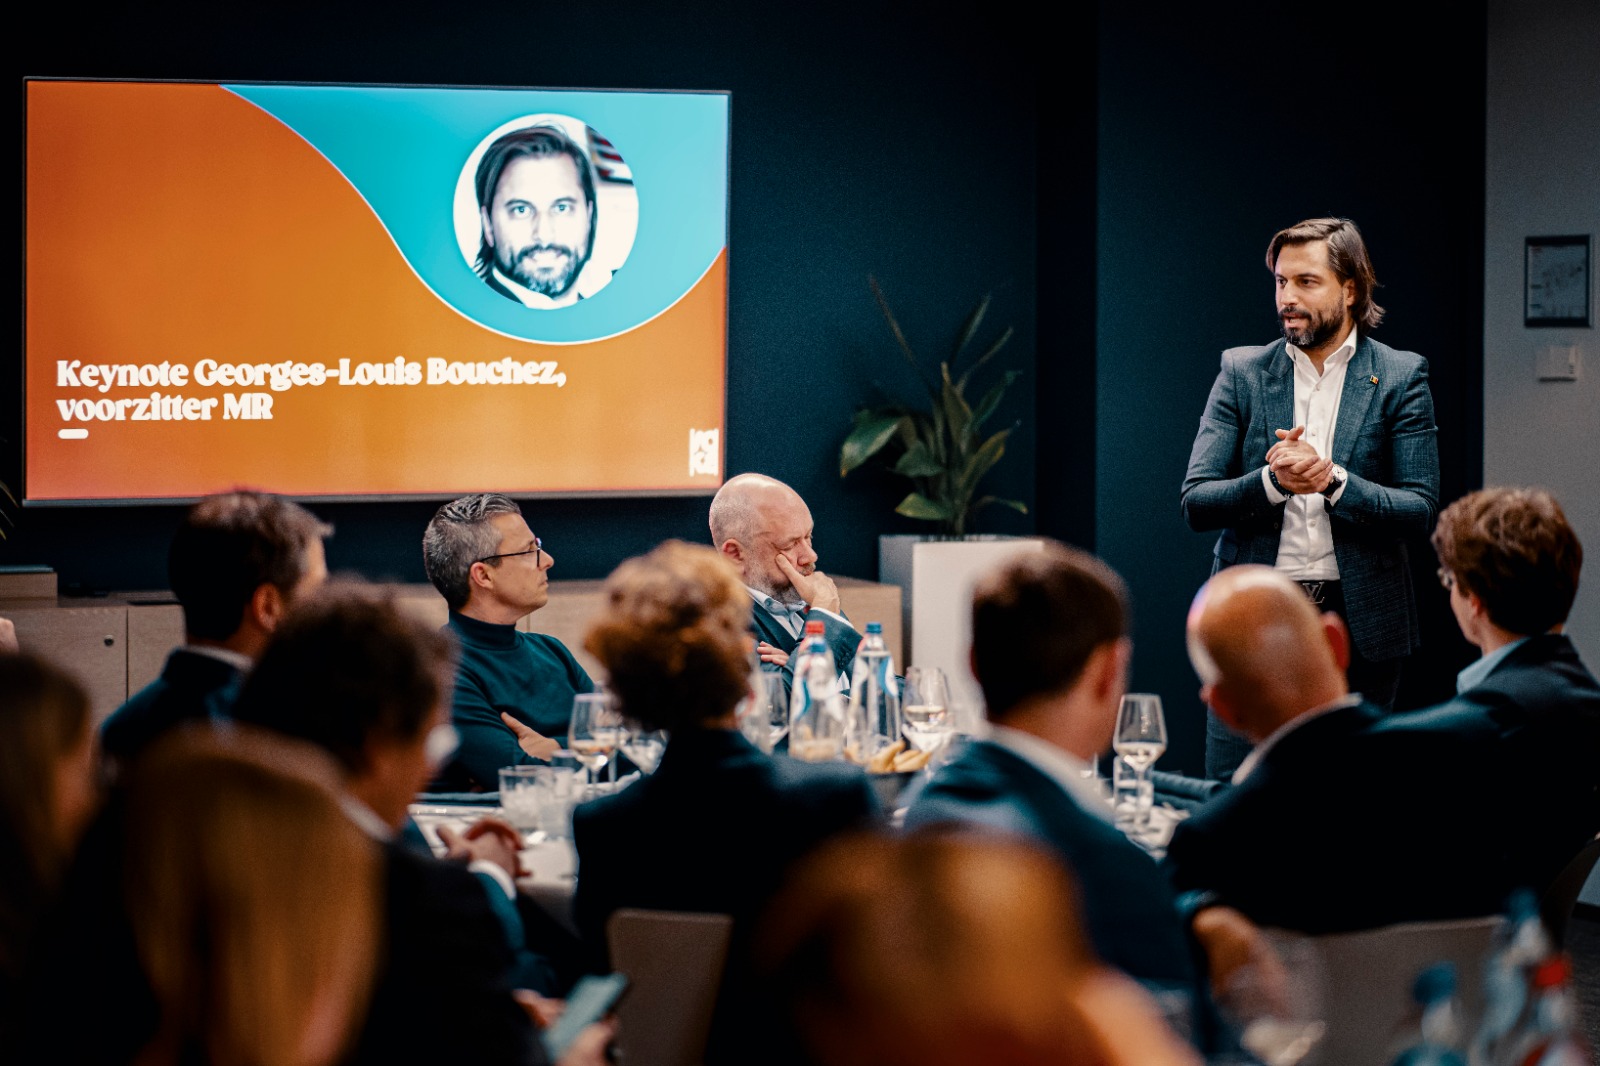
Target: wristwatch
[[1272, 475], [1336, 483]]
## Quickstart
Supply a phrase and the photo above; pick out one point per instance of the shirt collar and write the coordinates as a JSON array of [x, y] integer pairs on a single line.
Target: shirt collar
[[1062, 767], [1260, 751], [485, 634], [238, 660], [1341, 356], [366, 818], [1478, 672]]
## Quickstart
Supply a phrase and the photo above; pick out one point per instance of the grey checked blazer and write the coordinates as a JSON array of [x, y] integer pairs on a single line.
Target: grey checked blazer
[[1385, 439]]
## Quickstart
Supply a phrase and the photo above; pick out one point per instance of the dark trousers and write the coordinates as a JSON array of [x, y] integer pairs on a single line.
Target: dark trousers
[[1376, 680]]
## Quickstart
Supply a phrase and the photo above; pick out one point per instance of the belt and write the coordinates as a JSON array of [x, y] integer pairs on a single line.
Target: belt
[[1319, 592]]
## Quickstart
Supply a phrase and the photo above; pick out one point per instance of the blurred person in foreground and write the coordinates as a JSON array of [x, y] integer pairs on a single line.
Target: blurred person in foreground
[[47, 797], [1050, 651], [718, 824], [945, 948], [365, 682], [764, 528], [513, 692], [1523, 730], [236, 564]]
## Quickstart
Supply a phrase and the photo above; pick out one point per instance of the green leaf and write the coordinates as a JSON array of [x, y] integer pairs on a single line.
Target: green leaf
[[982, 460], [987, 355], [894, 328], [1015, 505], [969, 328], [917, 505], [992, 398], [917, 462], [957, 414], [873, 430]]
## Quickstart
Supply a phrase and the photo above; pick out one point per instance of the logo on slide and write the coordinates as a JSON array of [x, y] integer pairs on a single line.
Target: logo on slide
[[703, 452]]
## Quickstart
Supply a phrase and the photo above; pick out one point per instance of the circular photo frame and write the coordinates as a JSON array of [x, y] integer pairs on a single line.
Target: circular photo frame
[[545, 211]]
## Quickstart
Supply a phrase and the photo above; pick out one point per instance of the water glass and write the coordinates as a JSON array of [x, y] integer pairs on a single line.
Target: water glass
[[925, 707], [644, 747], [1132, 796], [557, 790], [519, 797]]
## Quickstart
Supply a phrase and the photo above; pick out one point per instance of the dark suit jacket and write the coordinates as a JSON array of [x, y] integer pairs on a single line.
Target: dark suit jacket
[[843, 640], [192, 687], [1128, 908], [1385, 439], [714, 829], [1345, 825], [1519, 749]]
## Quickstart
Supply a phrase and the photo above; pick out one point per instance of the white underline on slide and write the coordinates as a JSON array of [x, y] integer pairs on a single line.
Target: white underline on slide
[[72, 434]]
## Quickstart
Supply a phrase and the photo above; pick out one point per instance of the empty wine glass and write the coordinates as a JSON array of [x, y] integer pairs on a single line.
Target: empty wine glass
[[925, 707], [595, 733], [1140, 739], [645, 747]]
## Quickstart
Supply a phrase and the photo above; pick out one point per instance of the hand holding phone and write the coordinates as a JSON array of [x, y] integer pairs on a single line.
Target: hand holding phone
[[590, 1000]]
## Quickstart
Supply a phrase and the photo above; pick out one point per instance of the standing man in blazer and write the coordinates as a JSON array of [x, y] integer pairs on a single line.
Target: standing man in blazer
[[764, 528], [1317, 455]]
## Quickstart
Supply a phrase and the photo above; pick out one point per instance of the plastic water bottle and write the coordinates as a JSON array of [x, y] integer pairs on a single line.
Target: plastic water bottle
[[1521, 944], [1435, 1037], [1550, 1037], [874, 697], [816, 708]]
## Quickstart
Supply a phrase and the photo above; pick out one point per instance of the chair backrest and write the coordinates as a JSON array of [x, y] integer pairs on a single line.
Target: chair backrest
[[1562, 895], [1366, 980], [674, 963]]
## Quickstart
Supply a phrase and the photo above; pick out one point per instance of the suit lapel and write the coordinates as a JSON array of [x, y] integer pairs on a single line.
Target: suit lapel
[[1360, 385], [1277, 400]]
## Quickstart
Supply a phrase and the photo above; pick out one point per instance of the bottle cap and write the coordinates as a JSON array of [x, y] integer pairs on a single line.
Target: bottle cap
[[1436, 982], [1556, 970], [875, 627], [814, 627]]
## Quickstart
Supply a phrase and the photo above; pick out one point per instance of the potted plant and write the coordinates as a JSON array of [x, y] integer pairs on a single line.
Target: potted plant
[[940, 447], [943, 449]]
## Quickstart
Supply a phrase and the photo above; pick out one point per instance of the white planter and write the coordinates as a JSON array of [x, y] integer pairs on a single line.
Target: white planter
[[936, 579]]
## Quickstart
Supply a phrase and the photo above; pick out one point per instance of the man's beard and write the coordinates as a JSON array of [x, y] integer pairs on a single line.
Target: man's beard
[[1317, 331], [546, 283], [785, 594]]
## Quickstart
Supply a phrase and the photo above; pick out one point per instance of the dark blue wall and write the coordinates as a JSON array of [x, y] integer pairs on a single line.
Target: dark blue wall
[[866, 139], [1215, 132]]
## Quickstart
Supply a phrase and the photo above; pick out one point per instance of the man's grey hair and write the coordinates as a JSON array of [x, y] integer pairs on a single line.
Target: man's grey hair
[[459, 535], [734, 511]]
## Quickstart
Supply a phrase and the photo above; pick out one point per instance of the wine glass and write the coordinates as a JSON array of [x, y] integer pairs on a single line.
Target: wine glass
[[1140, 740], [925, 707], [645, 747], [595, 733]]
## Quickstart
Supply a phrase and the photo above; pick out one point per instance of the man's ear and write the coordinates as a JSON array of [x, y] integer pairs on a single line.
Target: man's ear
[[1213, 695], [1338, 638], [733, 550], [480, 575], [1108, 669], [267, 606], [488, 229], [1350, 292]]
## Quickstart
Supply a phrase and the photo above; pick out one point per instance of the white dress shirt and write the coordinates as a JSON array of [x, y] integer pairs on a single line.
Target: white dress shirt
[[1305, 548], [1064, 768]]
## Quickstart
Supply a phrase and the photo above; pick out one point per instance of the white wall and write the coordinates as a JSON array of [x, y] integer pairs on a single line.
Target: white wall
[[1543, 179]]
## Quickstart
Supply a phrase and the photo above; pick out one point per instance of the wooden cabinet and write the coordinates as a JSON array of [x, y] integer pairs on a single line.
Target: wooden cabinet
[[116, 646]]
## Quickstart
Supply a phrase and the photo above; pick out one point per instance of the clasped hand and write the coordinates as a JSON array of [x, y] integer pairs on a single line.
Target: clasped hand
[[1296, 464]]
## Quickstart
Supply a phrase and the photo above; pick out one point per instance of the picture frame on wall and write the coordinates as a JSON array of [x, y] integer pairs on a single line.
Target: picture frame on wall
[[1557, 282]]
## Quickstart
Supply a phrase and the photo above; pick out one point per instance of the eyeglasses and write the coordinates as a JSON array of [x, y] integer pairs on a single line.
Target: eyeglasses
[[1447, 579], [537, 551]]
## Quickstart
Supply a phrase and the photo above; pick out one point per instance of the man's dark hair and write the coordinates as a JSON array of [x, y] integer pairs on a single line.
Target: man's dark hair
[[1514, 550], [1037, 619], [530, 142], [349, 666], [228, 546], [1347, 257]]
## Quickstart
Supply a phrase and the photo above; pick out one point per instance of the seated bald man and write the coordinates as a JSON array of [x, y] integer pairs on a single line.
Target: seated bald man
[[1333, 824], [764, 528]]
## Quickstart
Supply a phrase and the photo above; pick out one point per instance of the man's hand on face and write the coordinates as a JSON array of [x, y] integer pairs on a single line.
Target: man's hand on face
[[816, 588]]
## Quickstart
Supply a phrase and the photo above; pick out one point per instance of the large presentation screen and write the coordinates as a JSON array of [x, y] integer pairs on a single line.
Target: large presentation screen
[[348, 291]]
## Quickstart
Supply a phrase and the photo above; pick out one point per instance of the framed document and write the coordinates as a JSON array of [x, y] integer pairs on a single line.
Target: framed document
[[1556, 282]]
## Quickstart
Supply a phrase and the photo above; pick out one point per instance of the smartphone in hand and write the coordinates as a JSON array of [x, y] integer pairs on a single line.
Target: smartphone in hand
[[590, 1000]]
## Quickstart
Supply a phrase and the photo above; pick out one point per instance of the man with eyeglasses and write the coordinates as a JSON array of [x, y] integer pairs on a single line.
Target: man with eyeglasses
[[513, 690]]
